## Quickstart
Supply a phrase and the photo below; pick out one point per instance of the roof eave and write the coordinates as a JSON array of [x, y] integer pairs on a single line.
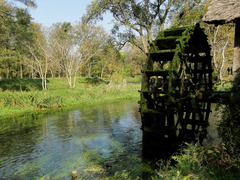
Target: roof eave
[[219, 22]]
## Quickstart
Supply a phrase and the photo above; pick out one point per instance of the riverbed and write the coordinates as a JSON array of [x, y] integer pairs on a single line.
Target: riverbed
[[96, 141]]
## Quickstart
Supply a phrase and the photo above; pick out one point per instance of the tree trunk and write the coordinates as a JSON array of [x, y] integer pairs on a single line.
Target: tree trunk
[[45, 81], [69, 79], [43, 86], [7, 72], [215, 49], [52, 73], [32, 73], [103, 68], [89, 69], [21, 71], [236, 61], [74, 81], [223, 62]]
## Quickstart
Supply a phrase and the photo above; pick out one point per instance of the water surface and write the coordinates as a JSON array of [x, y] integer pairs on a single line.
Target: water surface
[[97, 141]]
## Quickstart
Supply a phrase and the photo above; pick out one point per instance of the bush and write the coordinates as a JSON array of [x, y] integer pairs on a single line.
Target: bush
[[203, 162], [225, 87], [229, 128], [20, 84]]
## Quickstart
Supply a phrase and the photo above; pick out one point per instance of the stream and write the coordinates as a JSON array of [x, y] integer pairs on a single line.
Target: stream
[[96, 141]]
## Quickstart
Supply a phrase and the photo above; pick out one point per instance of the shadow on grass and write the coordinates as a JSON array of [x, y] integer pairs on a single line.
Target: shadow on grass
[[20, 84], [94, 81]]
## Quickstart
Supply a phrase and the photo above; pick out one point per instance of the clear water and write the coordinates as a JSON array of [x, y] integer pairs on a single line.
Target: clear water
[[97, 141]]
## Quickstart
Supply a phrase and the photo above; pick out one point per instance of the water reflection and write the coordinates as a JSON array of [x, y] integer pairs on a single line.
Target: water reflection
[[95, 140]]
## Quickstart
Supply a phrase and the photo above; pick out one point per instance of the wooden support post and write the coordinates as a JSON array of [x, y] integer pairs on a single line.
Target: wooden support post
[[236, 61], [74, 175]]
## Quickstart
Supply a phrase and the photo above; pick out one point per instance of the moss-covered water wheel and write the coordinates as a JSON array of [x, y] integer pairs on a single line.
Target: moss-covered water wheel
[[172, 108]]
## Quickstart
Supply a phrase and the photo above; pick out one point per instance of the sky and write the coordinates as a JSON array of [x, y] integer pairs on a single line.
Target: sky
[[53, 11]]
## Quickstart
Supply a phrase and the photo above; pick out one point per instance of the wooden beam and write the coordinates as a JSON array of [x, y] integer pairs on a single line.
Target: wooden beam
[[236, 61]]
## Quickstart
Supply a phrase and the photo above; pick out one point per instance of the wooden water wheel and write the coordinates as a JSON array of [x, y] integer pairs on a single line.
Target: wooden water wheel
[[177, 73]]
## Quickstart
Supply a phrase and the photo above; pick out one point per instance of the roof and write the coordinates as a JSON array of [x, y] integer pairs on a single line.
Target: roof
[[222, 11]]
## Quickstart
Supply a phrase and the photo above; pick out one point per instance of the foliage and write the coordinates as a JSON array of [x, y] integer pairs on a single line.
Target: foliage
[[220, 37], [74, 47], [65, 53], [202, 162], [134, 58], [136, 17], [229, 127], [16, 31], [223, 86], [29, 3], [30, 51], [106, 61], [41, 55], [222, 44], [120, 75], [190, 14]]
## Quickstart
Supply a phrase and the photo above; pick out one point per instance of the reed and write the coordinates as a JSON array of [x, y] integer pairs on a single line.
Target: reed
[[13, 102]]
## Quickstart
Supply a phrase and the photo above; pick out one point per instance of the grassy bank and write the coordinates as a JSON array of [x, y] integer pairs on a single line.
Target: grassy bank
[[24, 96], [195, 162]]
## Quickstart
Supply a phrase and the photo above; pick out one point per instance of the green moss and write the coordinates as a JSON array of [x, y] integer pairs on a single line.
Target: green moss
[[177, 62], [184, 38], [160, 34], [167, 38], [154, 47]]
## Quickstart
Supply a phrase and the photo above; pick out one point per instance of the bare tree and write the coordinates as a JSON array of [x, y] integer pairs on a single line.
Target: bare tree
[[40, 61], [74, 46]]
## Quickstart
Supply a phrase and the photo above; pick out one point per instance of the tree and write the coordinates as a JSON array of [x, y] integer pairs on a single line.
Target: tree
[[65, 51], [103, 61], [60, 39], [16, 31], [91, 40], [221, 41], [135, 58], [29, 3], [190, 13], [137, 18], [41, 58], [74, 46], [220, 37]]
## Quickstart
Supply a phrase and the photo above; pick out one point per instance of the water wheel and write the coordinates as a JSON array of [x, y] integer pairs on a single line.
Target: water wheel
[[172, 106]]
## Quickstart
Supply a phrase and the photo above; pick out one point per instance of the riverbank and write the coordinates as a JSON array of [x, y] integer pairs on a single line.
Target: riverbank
[[15, 101], [196, 162]]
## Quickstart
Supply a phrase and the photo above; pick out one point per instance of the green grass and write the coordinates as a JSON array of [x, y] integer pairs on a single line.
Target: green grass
[[14, 100], [197, 162]]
